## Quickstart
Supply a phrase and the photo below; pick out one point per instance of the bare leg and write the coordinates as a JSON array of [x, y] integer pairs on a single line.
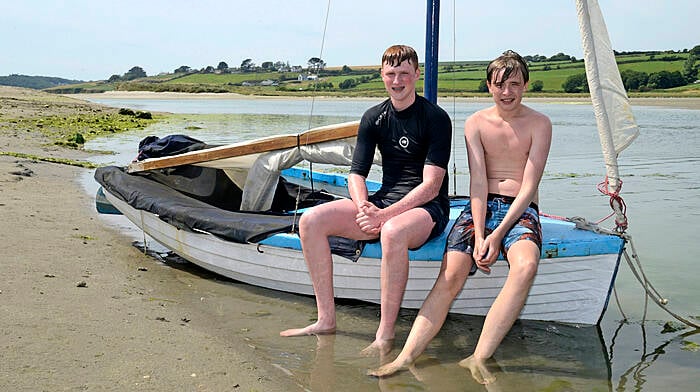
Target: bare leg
[[315, 226], [408, 230], [523, 257], [453, 274]]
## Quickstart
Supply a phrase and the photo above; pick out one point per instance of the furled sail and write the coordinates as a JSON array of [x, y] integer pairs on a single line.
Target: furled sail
[[616, 125]]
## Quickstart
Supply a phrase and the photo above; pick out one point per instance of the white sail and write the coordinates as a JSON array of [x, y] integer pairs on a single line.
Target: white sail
[[616, 125]]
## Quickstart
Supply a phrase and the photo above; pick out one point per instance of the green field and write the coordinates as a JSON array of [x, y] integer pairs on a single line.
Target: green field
[[459, 78]]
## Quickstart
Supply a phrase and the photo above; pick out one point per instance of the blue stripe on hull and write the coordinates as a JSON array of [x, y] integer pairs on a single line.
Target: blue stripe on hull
[[560, 238]]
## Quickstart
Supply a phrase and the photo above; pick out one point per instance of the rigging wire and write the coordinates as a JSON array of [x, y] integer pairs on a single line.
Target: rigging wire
[[454, 98], [311, 113]]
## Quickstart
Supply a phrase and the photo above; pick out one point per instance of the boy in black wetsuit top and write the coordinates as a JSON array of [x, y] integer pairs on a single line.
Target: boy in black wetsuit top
[[414, 138]]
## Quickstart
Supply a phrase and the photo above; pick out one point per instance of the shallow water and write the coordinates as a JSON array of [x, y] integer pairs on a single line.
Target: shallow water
[[662, 192]]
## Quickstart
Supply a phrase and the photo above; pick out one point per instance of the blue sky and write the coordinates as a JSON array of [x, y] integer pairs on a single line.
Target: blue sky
[[94, 39]]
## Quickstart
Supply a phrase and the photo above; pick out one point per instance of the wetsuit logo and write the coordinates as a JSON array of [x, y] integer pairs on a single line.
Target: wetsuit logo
[[403, 141]]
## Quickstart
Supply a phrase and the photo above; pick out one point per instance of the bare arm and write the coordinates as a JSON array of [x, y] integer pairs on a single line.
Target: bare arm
[[357, 187], [478, 181]]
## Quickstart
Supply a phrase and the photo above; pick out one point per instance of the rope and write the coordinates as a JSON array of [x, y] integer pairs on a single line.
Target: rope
[[635, 267], [616, 203], [621, 223], [649, 289], [619, 306]]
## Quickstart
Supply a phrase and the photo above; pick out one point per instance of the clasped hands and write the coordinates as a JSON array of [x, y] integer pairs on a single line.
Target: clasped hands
[[486, 251], [369, 218]]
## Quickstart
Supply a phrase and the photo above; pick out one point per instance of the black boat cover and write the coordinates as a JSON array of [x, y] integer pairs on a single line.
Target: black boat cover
[[190, 213]]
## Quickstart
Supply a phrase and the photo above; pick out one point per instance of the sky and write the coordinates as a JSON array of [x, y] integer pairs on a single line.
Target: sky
[[95, 39]]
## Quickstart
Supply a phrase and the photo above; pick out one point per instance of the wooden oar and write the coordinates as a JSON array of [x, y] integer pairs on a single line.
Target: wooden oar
[[316, 135]]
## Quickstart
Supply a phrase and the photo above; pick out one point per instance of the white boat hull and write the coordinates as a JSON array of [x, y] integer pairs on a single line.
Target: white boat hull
[[566, 289]]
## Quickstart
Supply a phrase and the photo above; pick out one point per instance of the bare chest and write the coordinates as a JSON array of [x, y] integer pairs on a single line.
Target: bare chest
[[506, 142]]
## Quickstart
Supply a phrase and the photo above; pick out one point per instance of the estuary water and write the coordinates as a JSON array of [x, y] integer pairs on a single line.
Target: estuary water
[[637, 346]]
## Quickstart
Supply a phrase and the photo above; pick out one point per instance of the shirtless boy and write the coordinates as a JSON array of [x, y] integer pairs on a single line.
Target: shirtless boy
[[507, 148]]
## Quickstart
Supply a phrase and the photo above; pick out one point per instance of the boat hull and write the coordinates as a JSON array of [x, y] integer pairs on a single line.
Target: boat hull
[[573, 289]]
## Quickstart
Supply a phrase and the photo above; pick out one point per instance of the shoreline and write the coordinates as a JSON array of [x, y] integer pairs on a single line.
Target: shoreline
[[692, 103]]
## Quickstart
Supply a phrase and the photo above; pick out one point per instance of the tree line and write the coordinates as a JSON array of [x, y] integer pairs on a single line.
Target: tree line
[[643, 81], [315, 65]]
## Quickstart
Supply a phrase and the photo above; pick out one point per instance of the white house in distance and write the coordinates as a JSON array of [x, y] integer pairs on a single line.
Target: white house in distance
[[303, 77]]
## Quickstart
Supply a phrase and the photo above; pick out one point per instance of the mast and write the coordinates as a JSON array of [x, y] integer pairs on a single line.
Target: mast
[[432, 30]]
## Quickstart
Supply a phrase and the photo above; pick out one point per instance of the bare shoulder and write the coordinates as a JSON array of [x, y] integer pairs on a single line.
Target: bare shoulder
[[537, 119], [540, 128], [476, 120], [477, 116]]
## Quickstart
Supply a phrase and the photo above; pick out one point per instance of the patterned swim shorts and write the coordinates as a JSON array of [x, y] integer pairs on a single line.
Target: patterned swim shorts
[[461, 237]]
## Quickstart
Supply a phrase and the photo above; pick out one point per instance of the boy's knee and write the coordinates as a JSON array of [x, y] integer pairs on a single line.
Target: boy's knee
[[390, 230], [454, 281], [526, 267], [310, 220]]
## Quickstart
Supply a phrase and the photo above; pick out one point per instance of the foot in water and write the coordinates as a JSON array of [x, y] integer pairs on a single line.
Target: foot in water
[[389, 368], [478, 369], [378, 348], [313, 329]]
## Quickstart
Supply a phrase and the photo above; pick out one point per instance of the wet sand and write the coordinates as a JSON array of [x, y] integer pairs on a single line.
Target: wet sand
[[83, 309]]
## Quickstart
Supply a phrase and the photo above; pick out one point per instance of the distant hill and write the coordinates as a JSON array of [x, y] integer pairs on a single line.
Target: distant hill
[[35, 82], [667, 73]]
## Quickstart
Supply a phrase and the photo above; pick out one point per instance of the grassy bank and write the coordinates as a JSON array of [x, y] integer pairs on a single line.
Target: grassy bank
[[462, 79]]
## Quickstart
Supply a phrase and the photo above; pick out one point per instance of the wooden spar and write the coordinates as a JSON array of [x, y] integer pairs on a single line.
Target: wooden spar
[[312, 136]]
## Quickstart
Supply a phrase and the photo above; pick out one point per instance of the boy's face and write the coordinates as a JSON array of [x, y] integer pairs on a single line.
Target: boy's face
[[400, 81], [507, 93]]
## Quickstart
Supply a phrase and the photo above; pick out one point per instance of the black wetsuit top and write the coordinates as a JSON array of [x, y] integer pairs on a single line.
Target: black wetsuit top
[[407, 140]]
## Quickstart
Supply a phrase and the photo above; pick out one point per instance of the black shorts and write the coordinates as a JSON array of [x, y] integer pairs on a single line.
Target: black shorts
[[432, 207]]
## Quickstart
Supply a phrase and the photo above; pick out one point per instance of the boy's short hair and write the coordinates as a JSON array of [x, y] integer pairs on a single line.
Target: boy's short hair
[[396, 54], [509, 61]]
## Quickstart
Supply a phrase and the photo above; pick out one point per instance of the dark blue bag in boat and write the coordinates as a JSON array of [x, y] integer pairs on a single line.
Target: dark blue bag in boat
[[155, 147]]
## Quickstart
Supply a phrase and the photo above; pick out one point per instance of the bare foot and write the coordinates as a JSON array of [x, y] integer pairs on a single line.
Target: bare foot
[[378, 348], [313, 329], [388, 369], [478, 368]]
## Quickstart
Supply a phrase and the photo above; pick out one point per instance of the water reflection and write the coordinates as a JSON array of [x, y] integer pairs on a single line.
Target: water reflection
[[534, 356], [683, 351]]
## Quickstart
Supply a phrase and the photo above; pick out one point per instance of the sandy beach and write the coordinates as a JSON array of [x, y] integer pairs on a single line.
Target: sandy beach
[[83, 309]]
